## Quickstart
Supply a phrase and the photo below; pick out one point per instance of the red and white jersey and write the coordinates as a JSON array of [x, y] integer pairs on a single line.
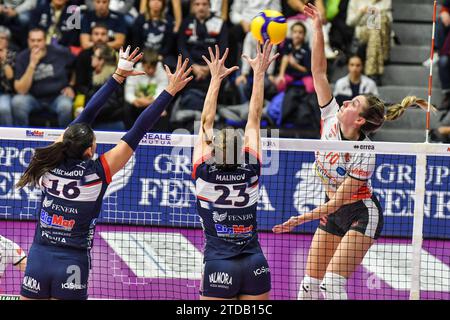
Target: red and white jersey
[[334, 167], [10, 253]]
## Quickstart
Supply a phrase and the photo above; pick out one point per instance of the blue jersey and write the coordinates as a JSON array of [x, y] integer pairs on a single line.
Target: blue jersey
[[226, 203], [71, 202]]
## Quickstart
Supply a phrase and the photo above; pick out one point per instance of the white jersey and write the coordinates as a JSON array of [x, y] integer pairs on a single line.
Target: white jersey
[[333, 167], [10, 253]]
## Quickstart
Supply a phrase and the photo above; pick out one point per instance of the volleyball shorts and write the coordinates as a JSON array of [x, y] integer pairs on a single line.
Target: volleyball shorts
[[247, 274], [364, 216], [58, 273]]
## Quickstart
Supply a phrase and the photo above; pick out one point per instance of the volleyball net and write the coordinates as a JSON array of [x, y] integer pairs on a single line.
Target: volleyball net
[[148, 242]]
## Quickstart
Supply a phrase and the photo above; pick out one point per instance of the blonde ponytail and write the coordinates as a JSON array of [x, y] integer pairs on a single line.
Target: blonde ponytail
[[397, 110], [374, 112]]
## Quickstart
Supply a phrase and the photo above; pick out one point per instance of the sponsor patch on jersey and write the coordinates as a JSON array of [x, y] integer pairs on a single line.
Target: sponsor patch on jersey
[[223, 230], [217, 217], [360, 172], [341, 171], [56, 221]]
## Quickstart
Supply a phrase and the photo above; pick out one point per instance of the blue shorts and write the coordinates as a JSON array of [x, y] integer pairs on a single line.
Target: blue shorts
[[54, 272], [243, 275]]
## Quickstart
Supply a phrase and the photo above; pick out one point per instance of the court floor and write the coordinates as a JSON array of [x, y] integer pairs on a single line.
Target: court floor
[[131, 262]]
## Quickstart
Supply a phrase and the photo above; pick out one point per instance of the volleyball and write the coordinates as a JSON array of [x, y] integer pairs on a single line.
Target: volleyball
[[269, 25]]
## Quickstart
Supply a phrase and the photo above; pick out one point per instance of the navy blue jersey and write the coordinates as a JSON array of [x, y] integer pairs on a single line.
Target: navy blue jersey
[[43, 17], [153, 34], [302, 56], [114, 21], [71, 202], [226, 203], [194, 37]]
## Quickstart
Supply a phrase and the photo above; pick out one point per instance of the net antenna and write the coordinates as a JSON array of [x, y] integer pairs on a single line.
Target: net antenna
[[430, 77], [421, 165]]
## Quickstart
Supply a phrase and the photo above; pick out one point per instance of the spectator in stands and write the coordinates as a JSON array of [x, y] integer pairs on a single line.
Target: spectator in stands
[[341, 35], [124, 7], [15, 14], [141, 91], [442, 133], [153, 31], [43, 80], [198, 32], [173, 12], [442, 28], [443, 45], [293, 11], [372, 20], [16, 9], [83, 70], [220, 8], [103, 65], [55, 18], [295, 70], [241, 14], [7, 57], [114, 21], [355, 83]]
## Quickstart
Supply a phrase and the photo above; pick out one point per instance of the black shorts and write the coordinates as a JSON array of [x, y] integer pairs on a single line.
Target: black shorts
[[364, 216], [243, 275]]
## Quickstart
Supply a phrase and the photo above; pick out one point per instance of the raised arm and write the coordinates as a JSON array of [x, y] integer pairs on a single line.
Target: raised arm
[[124, 70], [118, 156], [95, 104], [218, 72], [259, 65], [318, 59]]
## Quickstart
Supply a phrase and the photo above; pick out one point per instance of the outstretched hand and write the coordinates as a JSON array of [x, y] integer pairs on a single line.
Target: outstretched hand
[[216, 64], [127, 61], [263, 59], [287, 226], [180, 78], [311, 11]]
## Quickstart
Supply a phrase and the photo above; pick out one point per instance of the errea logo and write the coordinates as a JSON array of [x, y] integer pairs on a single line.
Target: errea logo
[[364, 147]]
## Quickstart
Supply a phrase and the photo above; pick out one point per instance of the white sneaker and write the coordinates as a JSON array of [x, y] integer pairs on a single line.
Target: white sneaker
[[427, 62]]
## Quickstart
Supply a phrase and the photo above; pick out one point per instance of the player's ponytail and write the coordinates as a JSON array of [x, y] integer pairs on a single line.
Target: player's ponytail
[[374, 112], [77, 138], [396, 110]]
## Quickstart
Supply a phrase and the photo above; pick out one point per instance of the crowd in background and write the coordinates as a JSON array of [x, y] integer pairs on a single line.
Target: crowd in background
[[54, 55]]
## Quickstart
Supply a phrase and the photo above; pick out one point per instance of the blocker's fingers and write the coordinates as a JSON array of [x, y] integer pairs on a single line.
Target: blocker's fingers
[[178, 62], [274, 58], [217, 52], [183, 67], [244, 56], [167, 70], [225, 55], [211, 54], [206, 60], [187, 72], [138, 57], [133, 54]]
